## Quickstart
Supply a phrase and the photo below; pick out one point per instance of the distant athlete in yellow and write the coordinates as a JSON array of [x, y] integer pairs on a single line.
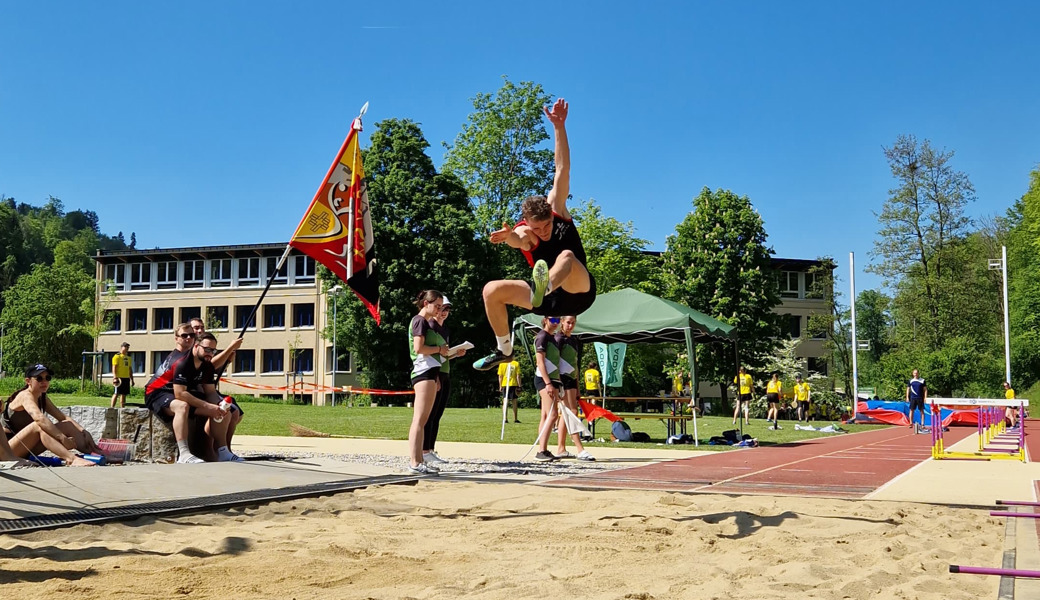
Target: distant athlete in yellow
[[1010, 412], [509, 383], [122, 375], [593, 383], [802, 393], [773, 390], [745, 388]]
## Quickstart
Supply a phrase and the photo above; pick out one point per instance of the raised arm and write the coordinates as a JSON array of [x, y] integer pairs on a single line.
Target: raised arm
[[562, 180]]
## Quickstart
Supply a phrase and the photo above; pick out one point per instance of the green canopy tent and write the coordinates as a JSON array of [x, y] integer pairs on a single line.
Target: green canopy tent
[[631, 316]]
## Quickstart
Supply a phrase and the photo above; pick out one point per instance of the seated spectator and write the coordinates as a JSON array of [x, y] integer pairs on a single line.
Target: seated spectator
[[167, 393], [220, 362], [29, 431]]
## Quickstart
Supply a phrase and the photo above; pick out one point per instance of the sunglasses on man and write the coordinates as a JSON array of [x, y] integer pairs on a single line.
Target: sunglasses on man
[[186, 336]]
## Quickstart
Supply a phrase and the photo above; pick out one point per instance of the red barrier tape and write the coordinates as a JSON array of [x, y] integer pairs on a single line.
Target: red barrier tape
[[307, 387]]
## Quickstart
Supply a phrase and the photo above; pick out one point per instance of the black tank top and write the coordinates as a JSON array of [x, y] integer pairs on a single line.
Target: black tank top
[[564, 237], [15, 421]]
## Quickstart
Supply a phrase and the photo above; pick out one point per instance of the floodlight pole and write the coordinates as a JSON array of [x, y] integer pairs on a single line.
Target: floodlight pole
[[852, 303], [1007, 332]]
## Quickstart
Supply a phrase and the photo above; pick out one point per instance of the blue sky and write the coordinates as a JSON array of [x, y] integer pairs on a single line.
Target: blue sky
[[181, 120]]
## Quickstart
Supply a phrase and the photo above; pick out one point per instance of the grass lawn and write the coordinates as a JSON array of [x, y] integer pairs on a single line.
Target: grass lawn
[[466, 424]]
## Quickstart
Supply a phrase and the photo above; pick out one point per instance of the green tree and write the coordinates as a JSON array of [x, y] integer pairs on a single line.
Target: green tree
[[717, 262], [1023, 220], [920, 221], [874, 322], [45, 314], [615, 255], [424, 233], [501, 155]]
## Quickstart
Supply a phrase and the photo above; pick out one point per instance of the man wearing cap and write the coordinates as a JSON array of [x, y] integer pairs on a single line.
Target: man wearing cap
[[122, 375]]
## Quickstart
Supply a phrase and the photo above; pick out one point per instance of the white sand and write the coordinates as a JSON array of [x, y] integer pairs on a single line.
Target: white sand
[[453, 540]]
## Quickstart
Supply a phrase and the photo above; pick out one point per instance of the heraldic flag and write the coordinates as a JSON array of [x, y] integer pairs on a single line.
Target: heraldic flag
[[336, 231]]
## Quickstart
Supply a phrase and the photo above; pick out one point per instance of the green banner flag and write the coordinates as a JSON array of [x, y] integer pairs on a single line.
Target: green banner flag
[[611, 359]]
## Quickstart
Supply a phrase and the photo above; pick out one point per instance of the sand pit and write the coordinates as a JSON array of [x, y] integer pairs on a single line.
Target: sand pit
[[468, 540]]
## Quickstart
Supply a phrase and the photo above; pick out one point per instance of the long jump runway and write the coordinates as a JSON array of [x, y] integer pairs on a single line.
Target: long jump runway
[[849, 466]]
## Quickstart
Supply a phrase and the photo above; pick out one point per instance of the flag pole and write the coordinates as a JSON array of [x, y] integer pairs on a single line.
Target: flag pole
[[270, 280], [356, 126]]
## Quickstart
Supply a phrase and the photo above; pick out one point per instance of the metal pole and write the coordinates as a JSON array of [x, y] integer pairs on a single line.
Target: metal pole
[[855, 372], [1007, 333], [335, 347]]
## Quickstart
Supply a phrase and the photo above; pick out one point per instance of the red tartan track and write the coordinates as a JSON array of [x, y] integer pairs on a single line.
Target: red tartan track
[[845, 466]]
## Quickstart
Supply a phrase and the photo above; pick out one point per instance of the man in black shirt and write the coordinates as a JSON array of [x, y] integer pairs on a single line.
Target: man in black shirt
[[167, 392], [561, 284]]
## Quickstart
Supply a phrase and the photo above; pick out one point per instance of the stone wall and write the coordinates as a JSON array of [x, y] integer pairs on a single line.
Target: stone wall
[[155, 441]]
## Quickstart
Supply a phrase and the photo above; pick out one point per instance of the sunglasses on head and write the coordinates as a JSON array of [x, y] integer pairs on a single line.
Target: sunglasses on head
[[42, 378], [186, 336]]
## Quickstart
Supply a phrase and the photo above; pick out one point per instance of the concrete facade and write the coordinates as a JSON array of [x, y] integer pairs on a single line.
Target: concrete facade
[[144, 294]]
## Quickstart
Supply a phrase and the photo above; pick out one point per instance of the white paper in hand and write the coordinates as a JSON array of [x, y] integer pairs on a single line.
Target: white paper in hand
[[455, 349]]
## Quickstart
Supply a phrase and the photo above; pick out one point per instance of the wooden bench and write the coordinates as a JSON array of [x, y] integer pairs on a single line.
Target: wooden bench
[[670, 420]]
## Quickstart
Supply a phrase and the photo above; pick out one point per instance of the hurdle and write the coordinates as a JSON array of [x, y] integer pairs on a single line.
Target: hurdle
[[996, 441]]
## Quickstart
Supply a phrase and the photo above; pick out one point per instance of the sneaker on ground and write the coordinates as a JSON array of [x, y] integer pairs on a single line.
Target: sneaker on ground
[[584, 455], [432, 458], [545, 456], [188, 459], [566, 454], [771, 428], [491, 360], [422, 469], [539, 281]]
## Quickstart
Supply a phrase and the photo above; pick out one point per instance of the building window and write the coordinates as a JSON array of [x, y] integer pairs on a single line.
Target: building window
[[194, 273], [245, 361], [140, 276], [283, 275], [274, 316], [163, 319], [220, 272], [190, 312], [273, 361], [303, 315], [304, 361], [166, 275], [248, 272], [158, 357], [137, 362], [217, 317], [789, 284], [115, 275], [810, 286], [106, 366], [817, 365], [794, 326], [113, 321], [303, 271], [137, 319], [342, 365], [243, 312]]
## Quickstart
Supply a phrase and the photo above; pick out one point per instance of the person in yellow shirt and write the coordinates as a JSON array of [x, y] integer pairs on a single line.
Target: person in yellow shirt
[[509, 383], [593, 382], [122, 375], [773, 390], [1010, 412], [745, 388], [802, 393]]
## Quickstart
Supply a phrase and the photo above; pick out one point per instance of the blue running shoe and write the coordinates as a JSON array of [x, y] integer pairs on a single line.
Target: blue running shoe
[[491, 361]]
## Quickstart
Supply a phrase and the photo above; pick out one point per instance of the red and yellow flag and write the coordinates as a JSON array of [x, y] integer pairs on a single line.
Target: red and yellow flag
[[338, 237]]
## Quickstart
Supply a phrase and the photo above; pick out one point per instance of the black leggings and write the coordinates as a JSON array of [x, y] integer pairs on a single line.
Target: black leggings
[[433, 424]]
